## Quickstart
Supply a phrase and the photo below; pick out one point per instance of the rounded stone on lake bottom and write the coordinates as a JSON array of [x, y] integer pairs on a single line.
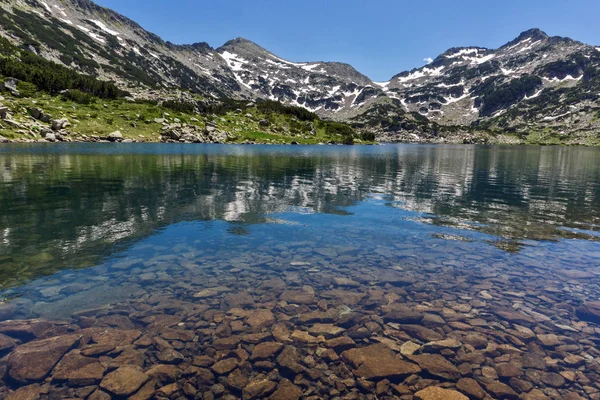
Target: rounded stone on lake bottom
[[258, 389], [553, 379], [437, 393], [224, 366]]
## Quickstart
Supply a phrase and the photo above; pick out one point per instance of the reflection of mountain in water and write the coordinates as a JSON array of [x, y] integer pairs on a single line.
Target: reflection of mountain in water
[[62, 210]]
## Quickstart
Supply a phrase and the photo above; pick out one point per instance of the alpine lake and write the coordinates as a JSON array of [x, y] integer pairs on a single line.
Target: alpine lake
[[321, 272]]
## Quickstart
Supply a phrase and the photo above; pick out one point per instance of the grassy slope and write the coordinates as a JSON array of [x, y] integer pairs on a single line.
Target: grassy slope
[[137, 121]]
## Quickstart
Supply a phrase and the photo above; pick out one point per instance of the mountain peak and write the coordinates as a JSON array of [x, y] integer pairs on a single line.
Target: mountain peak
[[534, 34], [240, 41]]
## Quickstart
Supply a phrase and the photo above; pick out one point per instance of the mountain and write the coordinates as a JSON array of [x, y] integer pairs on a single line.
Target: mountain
[[535, 88]]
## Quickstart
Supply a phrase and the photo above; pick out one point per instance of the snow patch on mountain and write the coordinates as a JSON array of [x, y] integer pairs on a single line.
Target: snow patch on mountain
[[310, 67], [463, 52], [46, 6], [102, 26], [234, 61]]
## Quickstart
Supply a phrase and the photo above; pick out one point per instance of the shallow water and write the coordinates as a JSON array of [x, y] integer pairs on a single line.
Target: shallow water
[[456, 234]]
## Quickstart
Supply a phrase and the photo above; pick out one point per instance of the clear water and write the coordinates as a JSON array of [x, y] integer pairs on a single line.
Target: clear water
[[69, 214], [468, 230]]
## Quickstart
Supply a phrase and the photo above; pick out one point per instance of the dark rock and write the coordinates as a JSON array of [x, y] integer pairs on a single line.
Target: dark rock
[[589, 311], [286, 391]]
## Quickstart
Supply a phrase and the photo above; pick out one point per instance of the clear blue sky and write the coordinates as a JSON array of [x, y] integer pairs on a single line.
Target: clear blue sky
[[378, 37]]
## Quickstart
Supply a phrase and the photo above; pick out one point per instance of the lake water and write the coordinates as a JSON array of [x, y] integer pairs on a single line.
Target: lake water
[[491, 247]]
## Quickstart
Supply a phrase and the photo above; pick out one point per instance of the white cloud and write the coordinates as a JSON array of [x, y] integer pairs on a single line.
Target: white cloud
[[428, 60]]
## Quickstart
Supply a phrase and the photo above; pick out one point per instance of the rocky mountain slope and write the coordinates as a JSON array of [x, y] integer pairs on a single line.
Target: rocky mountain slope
[[536, 86]]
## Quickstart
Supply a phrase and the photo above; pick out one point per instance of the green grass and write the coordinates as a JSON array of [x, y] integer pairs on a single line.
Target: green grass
[[135, 120]]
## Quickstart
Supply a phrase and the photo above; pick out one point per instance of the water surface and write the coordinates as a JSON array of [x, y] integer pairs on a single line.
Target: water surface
[[462, 229]]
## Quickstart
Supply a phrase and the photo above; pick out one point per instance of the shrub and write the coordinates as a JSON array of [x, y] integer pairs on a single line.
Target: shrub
[[79, 97], [26, 89], [368, 136], [180, 105]]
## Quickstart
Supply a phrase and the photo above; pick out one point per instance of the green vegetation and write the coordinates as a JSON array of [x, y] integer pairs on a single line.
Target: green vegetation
[[49, 76]]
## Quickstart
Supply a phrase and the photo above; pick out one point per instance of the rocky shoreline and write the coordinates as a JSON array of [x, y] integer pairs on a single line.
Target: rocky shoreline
[[281, 327]]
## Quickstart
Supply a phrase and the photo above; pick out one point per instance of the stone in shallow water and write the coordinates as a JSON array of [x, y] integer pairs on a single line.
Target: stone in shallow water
[[513, 316], [25, 330], [508, 370], [341, 343], [439, 345], [124, 381], [33, 361], [286, 391], [421, 333], [588, 311], [297, 297], [344, 296], [258, 389], [6, 343], [409, 348], [237, 379], [261, 319], [289, 360], [378, 361], [266, 350], [31, 392], [499, 390], [78, 370], [437, 393], [338, 281], [471, 388], [537, 394], [326, 330], [553, 379], [164, 373], [437, 365], [550, 340], [224, 366], [404, 316]]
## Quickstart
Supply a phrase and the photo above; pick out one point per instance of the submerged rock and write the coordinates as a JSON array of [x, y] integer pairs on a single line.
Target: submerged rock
[[33, 361], [589, 311], [124, 381], [378, 361]]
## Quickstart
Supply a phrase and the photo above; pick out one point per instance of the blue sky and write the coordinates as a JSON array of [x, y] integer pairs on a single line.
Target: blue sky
[[378, 37]]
